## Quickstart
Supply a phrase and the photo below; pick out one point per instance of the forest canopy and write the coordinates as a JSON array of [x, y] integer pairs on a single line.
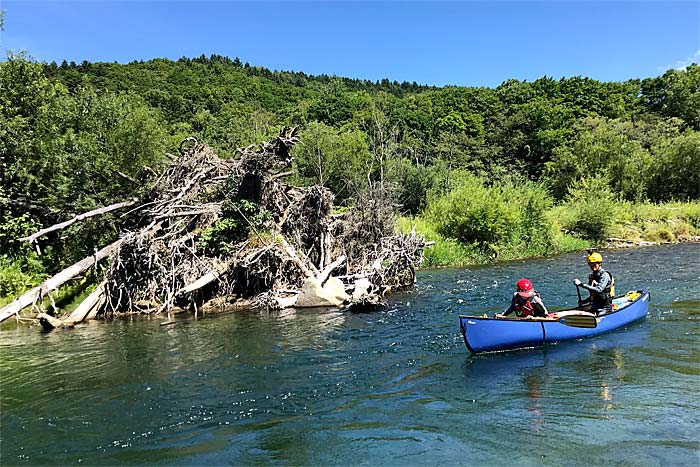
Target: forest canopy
[[77, 136], [631, 132]]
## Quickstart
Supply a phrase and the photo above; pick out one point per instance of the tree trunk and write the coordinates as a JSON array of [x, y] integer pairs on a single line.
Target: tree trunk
[[77, 218], [39, 292]]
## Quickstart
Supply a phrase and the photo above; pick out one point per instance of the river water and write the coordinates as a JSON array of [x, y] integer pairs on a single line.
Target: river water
[[394, 387]]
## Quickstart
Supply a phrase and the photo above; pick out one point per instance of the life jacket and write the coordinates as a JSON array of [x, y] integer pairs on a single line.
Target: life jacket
[[523, 304], [605, 297]]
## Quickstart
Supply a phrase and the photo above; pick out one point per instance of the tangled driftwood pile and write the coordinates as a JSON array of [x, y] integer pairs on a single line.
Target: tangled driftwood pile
[[218, 233]]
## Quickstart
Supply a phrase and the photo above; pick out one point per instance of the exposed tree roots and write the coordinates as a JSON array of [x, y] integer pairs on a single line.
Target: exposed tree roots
[[216, 233]]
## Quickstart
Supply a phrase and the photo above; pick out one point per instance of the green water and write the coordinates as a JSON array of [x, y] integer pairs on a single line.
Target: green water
[[394, 387]]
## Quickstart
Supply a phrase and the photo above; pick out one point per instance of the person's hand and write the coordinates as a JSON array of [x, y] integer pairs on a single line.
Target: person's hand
[[577, 282]]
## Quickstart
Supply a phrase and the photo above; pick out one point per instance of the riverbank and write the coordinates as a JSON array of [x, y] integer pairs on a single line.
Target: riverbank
[[630, 225]]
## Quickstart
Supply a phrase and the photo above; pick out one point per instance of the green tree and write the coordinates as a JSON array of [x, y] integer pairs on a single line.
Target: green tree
[[337, 160], [676, 168], [63, 154], [609, 148], [382, 134], [675, 94]]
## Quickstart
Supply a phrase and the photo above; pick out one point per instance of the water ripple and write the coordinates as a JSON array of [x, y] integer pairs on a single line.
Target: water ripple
[[395, 387]]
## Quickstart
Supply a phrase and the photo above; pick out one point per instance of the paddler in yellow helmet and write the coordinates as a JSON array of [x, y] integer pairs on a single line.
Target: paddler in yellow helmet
[[601, 286]]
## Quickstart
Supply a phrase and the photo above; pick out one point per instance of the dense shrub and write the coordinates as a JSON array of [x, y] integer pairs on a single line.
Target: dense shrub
[[503, 220], [593, 206], [444, 251], [19, 275]]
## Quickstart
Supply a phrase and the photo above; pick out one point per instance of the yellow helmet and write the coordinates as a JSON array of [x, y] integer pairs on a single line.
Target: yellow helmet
[[594, 258]]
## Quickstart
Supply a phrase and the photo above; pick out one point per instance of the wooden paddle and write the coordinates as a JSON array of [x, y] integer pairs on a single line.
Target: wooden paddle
[[575, 321]]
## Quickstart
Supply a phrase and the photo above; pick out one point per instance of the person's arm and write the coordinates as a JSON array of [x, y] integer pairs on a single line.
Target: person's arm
[[538, 304], [598, 286], [508, 310]]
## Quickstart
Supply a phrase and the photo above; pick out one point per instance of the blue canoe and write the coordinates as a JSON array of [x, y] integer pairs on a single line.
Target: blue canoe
[[483, 334]]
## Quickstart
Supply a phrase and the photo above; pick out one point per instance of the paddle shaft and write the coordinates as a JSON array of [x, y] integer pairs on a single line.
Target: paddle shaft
[[574, 321], [578, 291]]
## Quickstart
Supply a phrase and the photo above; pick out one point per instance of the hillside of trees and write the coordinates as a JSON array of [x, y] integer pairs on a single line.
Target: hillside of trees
[[549, 130], [74, 137]]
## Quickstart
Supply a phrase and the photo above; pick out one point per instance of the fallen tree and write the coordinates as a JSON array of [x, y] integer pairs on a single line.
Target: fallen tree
[[97, 212], [215, 233], [35, 296]]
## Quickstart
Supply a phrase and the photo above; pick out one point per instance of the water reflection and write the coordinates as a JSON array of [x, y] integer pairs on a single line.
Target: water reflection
[[534, 382], [608, 374], [553, 379]]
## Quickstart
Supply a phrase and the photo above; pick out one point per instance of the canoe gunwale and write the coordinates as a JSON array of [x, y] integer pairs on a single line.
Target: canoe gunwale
[[583, 312]]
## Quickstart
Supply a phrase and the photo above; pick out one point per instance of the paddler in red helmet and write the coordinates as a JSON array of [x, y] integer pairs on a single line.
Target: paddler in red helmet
[[526, 302]]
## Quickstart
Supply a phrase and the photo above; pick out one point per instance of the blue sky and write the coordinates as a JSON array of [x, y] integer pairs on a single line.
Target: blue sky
[[465, 43]]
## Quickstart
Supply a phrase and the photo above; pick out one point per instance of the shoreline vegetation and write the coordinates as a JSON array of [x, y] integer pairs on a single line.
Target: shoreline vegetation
[[522, 170], [639, 225]]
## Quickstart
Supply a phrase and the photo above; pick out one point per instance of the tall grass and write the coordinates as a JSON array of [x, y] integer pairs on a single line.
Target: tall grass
[[660, 223]]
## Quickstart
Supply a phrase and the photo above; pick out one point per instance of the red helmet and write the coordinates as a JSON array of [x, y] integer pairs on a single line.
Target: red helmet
[[524, 285]]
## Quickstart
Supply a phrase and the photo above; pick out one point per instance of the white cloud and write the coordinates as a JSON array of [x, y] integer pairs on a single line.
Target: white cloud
[[682, 64]]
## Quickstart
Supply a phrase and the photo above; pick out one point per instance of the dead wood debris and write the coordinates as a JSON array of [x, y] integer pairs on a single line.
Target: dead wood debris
[[219, 233]]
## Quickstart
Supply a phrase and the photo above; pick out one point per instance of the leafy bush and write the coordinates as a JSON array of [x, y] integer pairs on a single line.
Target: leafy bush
[[14, 228], [593, 204], [19, 275], [415, 182], [503, 220], [445, 251]]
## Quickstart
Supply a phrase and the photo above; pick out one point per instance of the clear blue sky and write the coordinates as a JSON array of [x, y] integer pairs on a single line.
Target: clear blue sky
[[464, 43]]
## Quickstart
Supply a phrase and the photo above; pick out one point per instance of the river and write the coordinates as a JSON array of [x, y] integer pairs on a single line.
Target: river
[[393, 387]]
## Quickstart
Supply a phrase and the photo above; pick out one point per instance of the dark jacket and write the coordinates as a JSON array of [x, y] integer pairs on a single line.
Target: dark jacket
[[600, 284]]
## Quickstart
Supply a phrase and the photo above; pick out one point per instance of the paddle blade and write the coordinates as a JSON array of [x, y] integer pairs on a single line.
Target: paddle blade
[[579, 321]]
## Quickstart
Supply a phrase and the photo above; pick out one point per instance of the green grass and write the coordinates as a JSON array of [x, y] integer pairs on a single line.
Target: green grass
[[445, 251]]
